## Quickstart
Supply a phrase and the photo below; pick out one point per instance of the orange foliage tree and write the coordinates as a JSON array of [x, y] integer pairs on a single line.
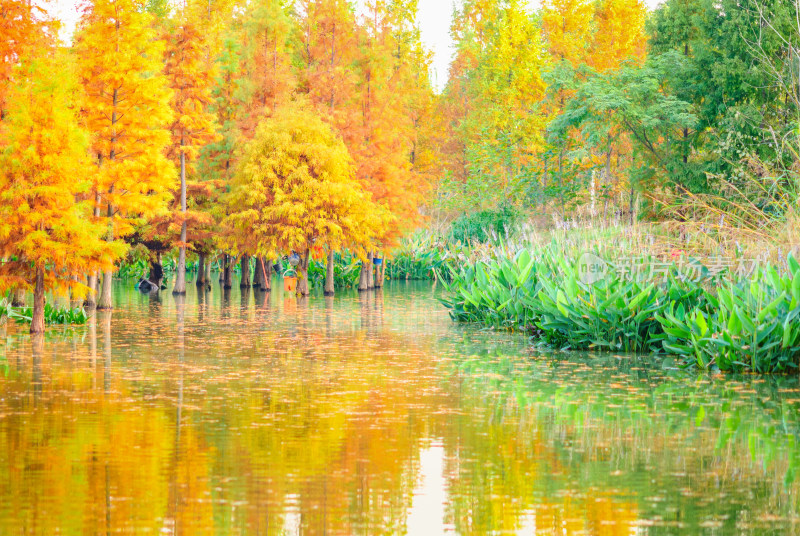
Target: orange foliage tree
[[46, 233], [194, 125], [127, 112]]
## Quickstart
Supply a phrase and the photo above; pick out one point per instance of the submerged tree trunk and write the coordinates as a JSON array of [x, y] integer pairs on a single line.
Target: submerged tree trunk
[[245, 265], [156, 270], [379, 274], [37, 321], [228, 272], [94, 278], [180, 275], [370, 273], [362, 278], [268, 268], [201, 280], [329, 279], [104, 301], [91, 296], [207, 273], [75, 299], [223, 264], [261, 278], [18, 297], [302, 274]]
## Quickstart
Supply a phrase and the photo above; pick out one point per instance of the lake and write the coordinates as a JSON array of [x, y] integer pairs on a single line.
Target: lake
[[241, 412]]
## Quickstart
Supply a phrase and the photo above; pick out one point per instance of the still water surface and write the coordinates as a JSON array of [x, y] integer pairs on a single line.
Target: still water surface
[[246, 413]]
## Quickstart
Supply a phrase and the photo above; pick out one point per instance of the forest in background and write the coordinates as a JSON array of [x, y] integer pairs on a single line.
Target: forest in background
[[158, 129]]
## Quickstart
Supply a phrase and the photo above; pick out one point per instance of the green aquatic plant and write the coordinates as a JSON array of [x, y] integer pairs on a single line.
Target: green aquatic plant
[[750, 325], [52, 315], [707, 320]]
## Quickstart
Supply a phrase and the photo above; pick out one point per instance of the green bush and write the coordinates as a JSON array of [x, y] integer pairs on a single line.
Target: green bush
[[750, 325], [485, 226], [745, 325], [52, 315]]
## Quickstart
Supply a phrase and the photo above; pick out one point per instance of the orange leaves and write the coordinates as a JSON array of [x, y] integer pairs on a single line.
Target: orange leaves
[[43, 168], [190, 78]]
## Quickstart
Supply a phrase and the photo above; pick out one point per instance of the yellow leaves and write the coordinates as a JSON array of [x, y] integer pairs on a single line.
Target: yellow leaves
[[304, 188], [126, 106]]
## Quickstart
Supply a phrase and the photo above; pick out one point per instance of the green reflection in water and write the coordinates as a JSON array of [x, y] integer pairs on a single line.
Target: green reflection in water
[[248, 413]]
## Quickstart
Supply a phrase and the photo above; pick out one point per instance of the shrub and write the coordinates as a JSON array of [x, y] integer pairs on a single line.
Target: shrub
[[481, 227], [750, 325]]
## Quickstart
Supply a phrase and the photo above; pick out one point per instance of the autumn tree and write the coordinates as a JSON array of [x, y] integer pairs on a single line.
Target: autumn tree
[[294, 189], [496, 128], [46, 231], [190, 78], [21, 25], [128, 114]]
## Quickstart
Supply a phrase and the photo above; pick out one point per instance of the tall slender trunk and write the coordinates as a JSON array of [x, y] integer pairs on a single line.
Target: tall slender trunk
[[329, 286], [245, 265], [91, 297], [37, 322], [105, 293], [223, 268], [302, 274], [180, 276], [201, 270]]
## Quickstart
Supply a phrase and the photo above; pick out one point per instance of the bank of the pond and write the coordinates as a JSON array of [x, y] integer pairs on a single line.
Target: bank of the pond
[[709, 317]]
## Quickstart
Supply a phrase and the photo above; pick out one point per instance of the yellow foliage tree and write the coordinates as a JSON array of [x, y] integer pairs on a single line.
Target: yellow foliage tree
[[44, 230], [127, 110], [295, 188]]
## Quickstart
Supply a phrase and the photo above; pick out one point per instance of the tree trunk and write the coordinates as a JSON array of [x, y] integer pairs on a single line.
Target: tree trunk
[[362, 278], [379, 274], [18, 297], [76, 301], [91, 297], [245, 265], [223, 264], [104, 301], [370, 273], [180, 276], [329, 279], [156, 270], [208, 273], [201, 270], [229, 262], [37, 322], [302, 274], [94, 278], [262, 277], [267, 275]]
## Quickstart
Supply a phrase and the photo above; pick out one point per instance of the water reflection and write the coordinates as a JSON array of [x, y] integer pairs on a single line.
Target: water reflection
[[257, 413]]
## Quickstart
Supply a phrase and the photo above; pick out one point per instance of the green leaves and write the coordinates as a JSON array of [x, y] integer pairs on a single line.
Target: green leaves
[[744, 325]]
